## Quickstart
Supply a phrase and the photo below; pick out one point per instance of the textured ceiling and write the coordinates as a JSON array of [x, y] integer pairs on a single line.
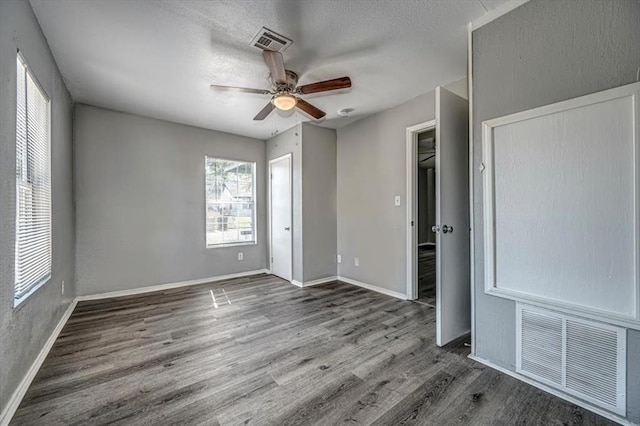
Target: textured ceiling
[[157, 58]]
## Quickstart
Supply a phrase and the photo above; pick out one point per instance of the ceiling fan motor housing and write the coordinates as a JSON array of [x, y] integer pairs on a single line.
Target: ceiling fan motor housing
[[292, 82]]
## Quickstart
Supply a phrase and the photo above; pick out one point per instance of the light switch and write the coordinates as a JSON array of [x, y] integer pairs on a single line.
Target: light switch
[[339, 258], [397, 201]]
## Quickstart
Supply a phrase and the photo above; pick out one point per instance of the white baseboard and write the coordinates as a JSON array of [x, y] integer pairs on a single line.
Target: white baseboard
[[149, 289], [319, 281], [314, 282], [18, 394], [555, 392], [374, 288]]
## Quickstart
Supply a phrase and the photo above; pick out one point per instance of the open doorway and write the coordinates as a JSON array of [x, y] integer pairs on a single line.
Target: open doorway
[[426, 216], [420, 238], [444, 141]]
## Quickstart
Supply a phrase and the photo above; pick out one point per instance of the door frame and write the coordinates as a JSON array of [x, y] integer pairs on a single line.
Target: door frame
[[275, 160], [412, 205]]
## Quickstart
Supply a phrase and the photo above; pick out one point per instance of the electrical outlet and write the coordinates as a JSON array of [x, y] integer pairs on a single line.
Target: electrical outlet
[[240, 256], [62, 287], [356, 261], [339, 258]]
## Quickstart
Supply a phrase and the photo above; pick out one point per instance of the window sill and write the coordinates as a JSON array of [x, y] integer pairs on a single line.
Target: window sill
[[248, 243], [21, 300]]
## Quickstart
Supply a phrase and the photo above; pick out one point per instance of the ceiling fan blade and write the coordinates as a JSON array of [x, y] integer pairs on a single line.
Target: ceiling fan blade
[[310, 109], [276, 66], [264, 112], [240, 89], [325, 86]]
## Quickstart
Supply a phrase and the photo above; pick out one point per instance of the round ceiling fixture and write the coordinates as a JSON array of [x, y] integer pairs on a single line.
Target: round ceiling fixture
[[284, 101], [345, 112]]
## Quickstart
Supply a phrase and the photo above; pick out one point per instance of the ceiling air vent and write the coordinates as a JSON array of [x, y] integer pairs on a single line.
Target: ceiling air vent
[[583, 358], [270, 40]]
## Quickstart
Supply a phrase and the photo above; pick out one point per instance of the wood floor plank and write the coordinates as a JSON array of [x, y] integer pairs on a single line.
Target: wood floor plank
[[257, 350], [427, 274]]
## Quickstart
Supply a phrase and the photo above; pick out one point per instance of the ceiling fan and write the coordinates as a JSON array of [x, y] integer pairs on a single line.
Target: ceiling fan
[[285, 94]]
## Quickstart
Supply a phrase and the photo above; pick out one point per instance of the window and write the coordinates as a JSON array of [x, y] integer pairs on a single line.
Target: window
[[230, 202], [33, 185]]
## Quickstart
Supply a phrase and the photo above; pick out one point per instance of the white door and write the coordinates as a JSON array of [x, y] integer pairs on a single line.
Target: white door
[[453, 307], [280, 217]]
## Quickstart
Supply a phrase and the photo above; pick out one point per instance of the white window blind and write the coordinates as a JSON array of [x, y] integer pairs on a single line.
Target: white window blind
[[33, 185], [230, 202]]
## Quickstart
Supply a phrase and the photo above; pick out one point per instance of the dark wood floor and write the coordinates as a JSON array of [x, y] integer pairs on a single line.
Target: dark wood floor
[[427, 275], [260, 351]]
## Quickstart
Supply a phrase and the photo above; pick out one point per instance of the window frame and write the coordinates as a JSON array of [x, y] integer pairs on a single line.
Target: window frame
[[254, 165], [47, 277]]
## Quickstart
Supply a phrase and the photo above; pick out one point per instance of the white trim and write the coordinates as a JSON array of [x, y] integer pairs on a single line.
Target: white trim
[[314, 282], [225, 245], [580, 101], [494, 14], [275, 160], [554, 392], [21, 390], [320, 281], [412, 206], [167, 286], [438, 222], [567, 308], [373, 288], [472, 227], [491, 288]]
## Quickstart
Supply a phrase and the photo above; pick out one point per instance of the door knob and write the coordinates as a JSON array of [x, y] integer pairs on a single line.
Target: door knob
[[447, 229], [435, 229], [287, 229]]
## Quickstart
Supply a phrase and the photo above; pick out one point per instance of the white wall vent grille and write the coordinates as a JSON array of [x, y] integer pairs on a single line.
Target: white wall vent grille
[[270, 40], [542, 346], [584, 358]]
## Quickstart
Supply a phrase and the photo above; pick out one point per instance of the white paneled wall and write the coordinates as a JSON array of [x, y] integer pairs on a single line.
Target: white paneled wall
[[561, 204]]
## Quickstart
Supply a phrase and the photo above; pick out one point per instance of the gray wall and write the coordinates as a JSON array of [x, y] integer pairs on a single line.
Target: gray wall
[[371, 171], [284, 143], [319, 202], [139, 186], [540, 53], [314, 198], [24, 330]]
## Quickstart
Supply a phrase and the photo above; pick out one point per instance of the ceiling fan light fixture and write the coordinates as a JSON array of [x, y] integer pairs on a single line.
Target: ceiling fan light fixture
[[284, 101]]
